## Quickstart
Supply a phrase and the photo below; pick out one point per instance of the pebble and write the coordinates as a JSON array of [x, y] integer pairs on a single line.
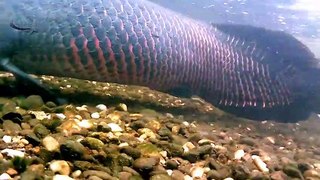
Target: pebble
[[197, 172], [188, 146], [60, 116], [13, 153], [41, 115], [187, 177], [239, 154], [100, 174], [60, 166], [85, 124], [50, 143], [311, 173], [145, 163], [5, 176], [7, 139], [115, 127], [76, 174], [61, 177], [95, 115], [247, 141], [123, 107], [260, 164], [101, 107], [177, 175]]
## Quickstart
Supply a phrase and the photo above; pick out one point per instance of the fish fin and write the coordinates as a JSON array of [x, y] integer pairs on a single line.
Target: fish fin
[[32, 84]]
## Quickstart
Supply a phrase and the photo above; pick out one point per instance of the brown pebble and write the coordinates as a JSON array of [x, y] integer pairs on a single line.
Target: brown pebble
[[124, 175], [177, 175], [11, 171], [278, 175]]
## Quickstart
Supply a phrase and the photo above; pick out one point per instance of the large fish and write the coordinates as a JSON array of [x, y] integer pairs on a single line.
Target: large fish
[[250, 71]]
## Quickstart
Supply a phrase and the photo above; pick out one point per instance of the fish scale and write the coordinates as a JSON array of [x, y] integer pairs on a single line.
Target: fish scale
[[139, 42]]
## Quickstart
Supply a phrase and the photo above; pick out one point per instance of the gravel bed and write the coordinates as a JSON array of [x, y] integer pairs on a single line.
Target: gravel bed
[[40, 140]]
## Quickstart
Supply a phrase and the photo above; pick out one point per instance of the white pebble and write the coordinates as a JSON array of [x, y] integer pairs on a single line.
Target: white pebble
[[239, 154], [61, 116], [169, 172], [188, 146], [95, 115], [60, 166], [61, 177], [125, 144], [197, 172], [101, 107], [259, 163], [115, 127], [85, 124], [228, 178], [13, 153], [76, 174], [5, 176], [187, 177], [50, 143], [164, 154], [82, 108], [185, 123], [40, 115], [123, 107], [7, 139]]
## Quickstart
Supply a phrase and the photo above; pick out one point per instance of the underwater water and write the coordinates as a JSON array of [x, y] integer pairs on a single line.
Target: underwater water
[[172, 89]]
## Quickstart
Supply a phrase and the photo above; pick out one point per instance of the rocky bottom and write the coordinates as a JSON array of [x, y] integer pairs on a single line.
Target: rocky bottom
[[40, 140]]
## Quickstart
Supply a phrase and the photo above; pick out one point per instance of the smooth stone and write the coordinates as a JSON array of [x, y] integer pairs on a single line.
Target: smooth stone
[[100, 174], [31, 102], [50, 143], [60, 166], [145, 163]]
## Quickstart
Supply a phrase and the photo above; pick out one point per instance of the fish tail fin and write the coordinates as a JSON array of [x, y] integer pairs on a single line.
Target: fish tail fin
[[275, 69]]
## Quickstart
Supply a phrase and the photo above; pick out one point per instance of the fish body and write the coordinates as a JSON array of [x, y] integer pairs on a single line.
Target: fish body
[[240, 68]]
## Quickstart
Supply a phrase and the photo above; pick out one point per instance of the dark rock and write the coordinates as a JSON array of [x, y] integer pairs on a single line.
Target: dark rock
[[137, 124], [241, 172], [194, 137], [292, 171], [51, 124], [171, 164], [213, 164], [13, 116], [134, 153], [192, 155], [173, 150], [205, 149], [31, 102], [72, 150], [93, 143], [145, 164], [248, 141], [165, 132], [41, 131], [125, 160], [304, 167], [33, 139]]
